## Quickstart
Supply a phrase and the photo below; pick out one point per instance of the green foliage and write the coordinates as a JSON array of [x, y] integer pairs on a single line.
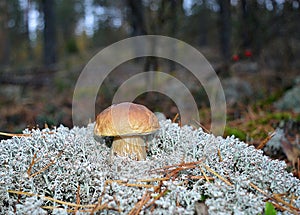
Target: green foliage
[[203, 198], [270, 99], [236, 132], [258, 128], [269, 209], [61, 84], [71, 46], [271, 117]]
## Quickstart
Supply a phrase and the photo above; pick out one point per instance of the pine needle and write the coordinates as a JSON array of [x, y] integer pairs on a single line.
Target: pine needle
[[277, 199], [14, 135], [50, 199], [264, 142], [216, 174]]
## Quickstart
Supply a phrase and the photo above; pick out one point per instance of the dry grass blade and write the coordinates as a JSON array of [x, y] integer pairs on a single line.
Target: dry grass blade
[[99, 199], [216, 174], [129, 184], [298, 168], [202, 126], [258, 189], [31, 164], [99, 207], [50, 199], [276, 198], [153, 179], [20, 135], [175, 118], [199, 177], [138, 206], [140, 185], [145, 198], [14, 135], [171, 171], [172, 167], [68, 210], [162, 193], [205, 176], [219, 155], [77, 199], [82, 210], [118, 203], [44, 168], [265, 141]]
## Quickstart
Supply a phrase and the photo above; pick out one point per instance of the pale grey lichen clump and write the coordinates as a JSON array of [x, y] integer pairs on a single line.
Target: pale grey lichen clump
[[290, 100], [77, 159]]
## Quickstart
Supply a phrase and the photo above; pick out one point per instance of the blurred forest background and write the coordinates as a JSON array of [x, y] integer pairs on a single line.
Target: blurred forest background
[[254, 46]]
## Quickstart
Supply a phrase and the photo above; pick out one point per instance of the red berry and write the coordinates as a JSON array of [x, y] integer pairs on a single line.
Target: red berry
[[248, 53], [235, 57]]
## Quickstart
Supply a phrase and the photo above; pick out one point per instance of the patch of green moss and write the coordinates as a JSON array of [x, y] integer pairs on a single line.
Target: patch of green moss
[[260, 135], [270, 99], [236, 132], [298, 118]]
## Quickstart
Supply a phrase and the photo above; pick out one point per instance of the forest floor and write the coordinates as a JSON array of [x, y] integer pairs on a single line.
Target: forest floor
[[251, 114]]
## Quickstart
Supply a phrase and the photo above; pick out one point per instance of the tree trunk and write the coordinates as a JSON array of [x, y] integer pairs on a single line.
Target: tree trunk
[[225, 29], [173, 30], [49, 33], [136, 17], [4, 34], [245, 30]]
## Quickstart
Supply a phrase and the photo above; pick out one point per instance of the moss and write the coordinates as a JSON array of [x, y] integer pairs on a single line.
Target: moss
[[257, 130], [229, 131], [270, 99]]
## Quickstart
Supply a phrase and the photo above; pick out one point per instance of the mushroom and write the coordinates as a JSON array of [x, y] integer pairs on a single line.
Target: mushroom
[[129, 124]]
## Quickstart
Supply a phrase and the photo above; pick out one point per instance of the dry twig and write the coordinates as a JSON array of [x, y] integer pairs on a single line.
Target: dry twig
[[44, 168], [138, 206], [216, 174], [264, 142], [50, 199], [276, 199], [77, 199], [33, 161], [20, 135], [14, 135], [202, 126], [219, 155]]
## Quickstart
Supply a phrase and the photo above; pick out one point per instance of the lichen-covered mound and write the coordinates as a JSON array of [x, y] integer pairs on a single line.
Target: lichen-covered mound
[[64, 171]]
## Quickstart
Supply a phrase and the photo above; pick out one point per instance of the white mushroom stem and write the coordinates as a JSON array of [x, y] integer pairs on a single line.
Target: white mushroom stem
[[129, 146]]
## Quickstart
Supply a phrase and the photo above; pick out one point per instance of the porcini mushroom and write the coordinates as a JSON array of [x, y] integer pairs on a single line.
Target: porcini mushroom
[[128, 123]]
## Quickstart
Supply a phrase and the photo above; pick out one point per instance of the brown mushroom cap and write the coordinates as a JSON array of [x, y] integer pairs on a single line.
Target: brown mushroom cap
[[126, 119]]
